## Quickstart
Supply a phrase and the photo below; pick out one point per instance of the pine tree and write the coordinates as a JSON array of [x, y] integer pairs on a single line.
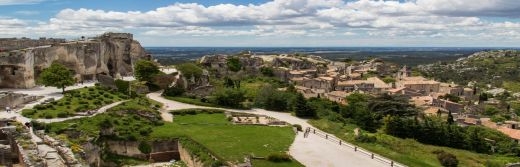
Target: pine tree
[[301, 108], [450, 118]]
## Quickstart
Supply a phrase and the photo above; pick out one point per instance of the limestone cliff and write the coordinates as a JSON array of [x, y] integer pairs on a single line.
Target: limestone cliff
[[111, 53]]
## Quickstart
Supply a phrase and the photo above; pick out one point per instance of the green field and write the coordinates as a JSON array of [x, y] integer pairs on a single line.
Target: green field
[[231, 142], [409, 151], [80, 100]]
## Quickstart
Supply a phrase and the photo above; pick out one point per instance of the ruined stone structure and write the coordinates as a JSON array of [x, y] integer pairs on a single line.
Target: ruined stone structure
[[111, 54], [7, 44]]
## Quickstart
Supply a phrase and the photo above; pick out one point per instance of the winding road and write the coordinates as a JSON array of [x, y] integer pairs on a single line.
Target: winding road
[[310, 151]]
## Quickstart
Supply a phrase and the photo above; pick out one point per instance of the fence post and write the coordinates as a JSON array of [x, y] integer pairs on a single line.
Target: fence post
[[326, 136], [314, 131], [355, 148], [339, 142], [391, 163], [372, 156]]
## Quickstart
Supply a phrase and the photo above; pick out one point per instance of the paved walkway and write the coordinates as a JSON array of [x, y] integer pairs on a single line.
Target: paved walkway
[[311, 151]]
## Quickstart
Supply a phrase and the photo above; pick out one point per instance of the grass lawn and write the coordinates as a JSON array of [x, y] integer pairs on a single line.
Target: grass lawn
[[408, 151], [231, 142], [80, 100]]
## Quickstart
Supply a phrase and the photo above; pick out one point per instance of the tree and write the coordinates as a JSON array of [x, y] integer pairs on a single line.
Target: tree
[[450, 118], [234, 64], [189, 70], [145, 70], [57, 75], [301, 108]]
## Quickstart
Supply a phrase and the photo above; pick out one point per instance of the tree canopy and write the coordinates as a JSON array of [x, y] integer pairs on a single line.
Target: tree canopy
[[190, 70], [57, 75], [145, 70]]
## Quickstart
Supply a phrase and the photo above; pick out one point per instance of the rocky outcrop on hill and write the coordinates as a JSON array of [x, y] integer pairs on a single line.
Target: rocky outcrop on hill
[[110, 54], [486, 67]]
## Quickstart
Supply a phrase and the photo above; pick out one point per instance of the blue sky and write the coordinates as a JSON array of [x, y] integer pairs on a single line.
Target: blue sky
[[460, 23]]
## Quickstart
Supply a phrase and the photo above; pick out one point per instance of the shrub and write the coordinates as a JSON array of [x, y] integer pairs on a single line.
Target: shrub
[[90, 89], [63, 115], [66, 103], [298, 127], [28, 112], [364, 138], [48, 116], [40, 107], [173, 91], [446, 159], [278, 157], [144, 147]]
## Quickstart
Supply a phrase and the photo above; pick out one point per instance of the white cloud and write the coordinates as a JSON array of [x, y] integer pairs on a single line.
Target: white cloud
[[411, 19]]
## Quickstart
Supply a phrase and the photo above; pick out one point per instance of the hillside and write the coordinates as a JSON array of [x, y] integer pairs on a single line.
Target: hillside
[[499, 68]]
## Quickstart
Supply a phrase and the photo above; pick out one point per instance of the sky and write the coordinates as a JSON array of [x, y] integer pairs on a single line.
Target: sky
[[276, 23]]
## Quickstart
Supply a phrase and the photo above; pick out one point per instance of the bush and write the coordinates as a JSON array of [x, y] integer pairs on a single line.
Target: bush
[[63, 115], [28, 112], [278, 157], [90, 89], [173, 91], [364, 138], [40, 107], [298, 127], [48, 116], [122, 86], [446, 159], [145, 147]]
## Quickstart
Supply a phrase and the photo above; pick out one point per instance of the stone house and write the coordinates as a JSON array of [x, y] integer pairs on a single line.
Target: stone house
[[337, 96], [405, 91], [355, 85], [448, 105], [452, 89], [379, 85], [420, 84]]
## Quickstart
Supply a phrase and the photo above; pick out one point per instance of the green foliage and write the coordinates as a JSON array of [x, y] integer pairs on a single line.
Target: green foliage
[[174, 91], [233, 64], [446, 159], [267, 71], [301, 108], [56, 75], [190, 70], [491, 110], [498, 118], [144, 147], [364, 138], [450, 120], [483, 69], [196, 111], [278, 157], [433, 131], [229, 97], [79, 100], [272, 99], [145, 70], [122, 85], [451, 97]]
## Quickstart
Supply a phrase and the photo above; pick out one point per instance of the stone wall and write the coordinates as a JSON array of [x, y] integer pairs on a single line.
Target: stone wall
[[21, 43], [109, 55], [189, 159], [8, 99]]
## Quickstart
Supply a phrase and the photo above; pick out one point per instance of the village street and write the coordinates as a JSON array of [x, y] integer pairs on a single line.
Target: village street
[[310, 151]]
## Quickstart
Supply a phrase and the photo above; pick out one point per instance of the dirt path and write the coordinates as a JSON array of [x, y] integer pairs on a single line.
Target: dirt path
[[311, 151]]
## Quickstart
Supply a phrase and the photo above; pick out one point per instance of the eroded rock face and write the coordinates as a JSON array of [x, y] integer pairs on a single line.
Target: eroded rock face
[[110, 54]]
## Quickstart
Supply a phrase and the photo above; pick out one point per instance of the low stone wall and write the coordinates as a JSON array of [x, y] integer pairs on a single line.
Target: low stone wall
[[189, 159]]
